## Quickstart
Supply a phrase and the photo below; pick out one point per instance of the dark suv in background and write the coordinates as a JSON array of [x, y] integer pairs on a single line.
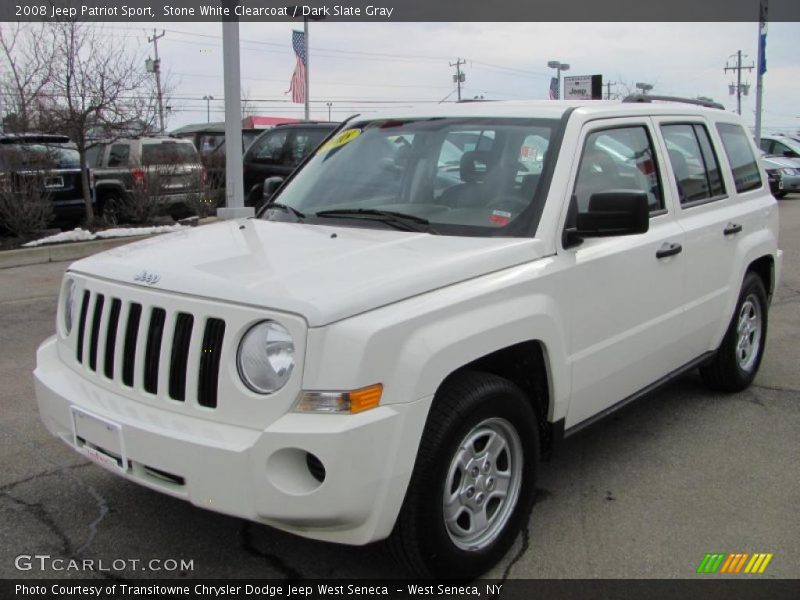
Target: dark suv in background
[[278, 151], [161, 171], [50, 163]]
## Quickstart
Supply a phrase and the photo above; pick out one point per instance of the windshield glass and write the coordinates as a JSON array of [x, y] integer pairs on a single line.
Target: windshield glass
[[465, 176]]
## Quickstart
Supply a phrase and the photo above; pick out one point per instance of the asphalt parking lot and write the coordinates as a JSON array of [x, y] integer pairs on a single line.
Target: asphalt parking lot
[[645, 493]]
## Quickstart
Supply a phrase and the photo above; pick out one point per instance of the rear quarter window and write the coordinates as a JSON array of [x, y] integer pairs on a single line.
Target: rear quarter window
[[746, 174]]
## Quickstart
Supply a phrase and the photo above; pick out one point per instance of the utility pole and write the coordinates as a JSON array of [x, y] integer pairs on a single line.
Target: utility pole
[[608, 85], [208, 100], [459, 77], [738, 87], [157, 70]]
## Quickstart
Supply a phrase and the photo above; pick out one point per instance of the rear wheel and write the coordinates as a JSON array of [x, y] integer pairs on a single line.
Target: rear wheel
[[736, 362], [780, 195], [474, 479], [110, 208]]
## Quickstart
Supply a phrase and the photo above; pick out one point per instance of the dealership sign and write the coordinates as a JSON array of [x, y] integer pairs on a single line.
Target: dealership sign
[[583, 87]]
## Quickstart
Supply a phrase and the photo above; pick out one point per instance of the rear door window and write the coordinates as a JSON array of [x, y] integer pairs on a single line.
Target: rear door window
[[746, 174], [304, 142], [693, 162]]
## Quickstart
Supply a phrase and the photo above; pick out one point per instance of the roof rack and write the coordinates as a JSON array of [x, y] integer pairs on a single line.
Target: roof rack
[[651, 97]]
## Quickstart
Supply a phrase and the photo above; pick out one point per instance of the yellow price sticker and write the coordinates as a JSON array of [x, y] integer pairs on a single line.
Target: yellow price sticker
[[340, 140]]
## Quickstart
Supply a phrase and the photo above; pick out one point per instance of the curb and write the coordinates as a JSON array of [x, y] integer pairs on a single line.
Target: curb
[[23, 257], [60, 252]]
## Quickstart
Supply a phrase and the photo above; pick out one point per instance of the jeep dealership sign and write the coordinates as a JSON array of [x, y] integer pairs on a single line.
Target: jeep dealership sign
[[583, 87]]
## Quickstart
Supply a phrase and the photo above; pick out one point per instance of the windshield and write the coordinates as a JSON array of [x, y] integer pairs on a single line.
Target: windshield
[[465, 176]]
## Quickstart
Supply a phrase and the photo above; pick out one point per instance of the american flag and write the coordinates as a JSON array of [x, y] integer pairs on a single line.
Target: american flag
[[298, 83], [553, 88]]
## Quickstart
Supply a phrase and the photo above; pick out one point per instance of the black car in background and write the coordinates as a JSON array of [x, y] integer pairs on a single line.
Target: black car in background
[[48, 165], [278, 151]]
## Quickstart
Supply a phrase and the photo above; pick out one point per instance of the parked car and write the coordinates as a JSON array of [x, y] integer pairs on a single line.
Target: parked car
[[51, 163], [163, 172], [208, 137], [780, 145], [277, 152], [388, 353], [783, 175]]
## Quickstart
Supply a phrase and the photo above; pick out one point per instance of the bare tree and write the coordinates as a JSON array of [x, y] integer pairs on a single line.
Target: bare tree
[[102, 91], [248, 107], [26, 56]]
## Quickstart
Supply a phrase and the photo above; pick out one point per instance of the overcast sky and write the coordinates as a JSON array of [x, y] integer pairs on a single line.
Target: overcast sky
[[356, 65]]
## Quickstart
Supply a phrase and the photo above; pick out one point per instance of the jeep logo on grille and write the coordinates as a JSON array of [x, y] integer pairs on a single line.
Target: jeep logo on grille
[[147, 278]]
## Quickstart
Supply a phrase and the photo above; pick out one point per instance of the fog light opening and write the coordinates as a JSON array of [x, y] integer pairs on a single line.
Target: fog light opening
[[315, 467]]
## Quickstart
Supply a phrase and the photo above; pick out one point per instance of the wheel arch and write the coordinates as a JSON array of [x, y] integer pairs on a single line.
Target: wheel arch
[[526, 365]]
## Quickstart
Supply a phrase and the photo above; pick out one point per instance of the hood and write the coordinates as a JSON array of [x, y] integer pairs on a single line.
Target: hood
[[323, 273]]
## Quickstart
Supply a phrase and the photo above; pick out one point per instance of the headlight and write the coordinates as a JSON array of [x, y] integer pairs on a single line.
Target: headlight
[[787, 171], [70, 292], [266, 357]]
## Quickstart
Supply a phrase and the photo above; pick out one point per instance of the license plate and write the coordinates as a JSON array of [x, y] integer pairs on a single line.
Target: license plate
[[51, 183], [98, 439]]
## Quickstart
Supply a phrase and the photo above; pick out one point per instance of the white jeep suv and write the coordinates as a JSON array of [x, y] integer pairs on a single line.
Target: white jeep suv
[[418, 317]]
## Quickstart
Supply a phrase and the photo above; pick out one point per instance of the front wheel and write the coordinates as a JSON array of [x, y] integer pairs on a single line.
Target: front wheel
[[736, 362], [473, 483]]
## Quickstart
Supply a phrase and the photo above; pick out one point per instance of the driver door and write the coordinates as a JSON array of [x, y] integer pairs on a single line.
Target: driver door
[[624, 292]]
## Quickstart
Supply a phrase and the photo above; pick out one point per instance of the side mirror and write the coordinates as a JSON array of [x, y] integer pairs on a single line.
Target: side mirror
[[271, 184], [614, 213], [790, 154]]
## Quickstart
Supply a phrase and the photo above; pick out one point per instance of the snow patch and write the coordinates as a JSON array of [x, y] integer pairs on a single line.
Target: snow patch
[[81, 235]]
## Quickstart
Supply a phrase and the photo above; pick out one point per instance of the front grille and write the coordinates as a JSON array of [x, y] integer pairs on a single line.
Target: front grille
[[134, 343], [209, 363]]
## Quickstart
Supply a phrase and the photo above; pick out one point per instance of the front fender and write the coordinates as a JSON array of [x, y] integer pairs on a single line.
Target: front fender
[[412, 346]]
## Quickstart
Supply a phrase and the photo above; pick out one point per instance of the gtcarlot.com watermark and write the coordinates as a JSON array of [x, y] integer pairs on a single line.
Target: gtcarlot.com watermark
[[46, 562]]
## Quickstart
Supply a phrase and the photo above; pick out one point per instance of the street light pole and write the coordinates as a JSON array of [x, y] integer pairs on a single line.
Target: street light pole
[[558, 66], [329, 104]]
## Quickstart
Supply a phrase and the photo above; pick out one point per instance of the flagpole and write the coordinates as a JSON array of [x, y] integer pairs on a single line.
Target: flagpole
[[308, 64], [762, 65]]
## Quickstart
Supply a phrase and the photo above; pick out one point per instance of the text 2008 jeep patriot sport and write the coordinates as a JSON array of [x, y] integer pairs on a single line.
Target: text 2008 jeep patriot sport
[[422, 311]]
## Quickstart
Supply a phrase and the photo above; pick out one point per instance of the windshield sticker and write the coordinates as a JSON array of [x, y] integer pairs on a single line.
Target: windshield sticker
[[500, 217], [339, 140]]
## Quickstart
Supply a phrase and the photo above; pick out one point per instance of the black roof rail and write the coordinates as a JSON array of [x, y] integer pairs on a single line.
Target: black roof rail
[[651, 97]]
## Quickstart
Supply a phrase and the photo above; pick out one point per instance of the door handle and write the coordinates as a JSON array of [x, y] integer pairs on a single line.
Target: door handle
[[669, 249], [732, 228]]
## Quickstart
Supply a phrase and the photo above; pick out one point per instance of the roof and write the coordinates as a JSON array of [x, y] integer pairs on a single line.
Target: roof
[[548, 109], [33, 138]]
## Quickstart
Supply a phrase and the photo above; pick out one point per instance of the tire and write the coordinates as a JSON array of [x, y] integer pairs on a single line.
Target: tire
[[110, 208], [474, 417], [780, 195], [738, 358]]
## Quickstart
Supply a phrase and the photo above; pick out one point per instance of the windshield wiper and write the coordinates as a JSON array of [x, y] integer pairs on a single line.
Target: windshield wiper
[[398, 220], [286, 208]]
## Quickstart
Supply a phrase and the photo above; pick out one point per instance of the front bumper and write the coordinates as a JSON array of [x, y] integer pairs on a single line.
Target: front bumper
[[260, 475]]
